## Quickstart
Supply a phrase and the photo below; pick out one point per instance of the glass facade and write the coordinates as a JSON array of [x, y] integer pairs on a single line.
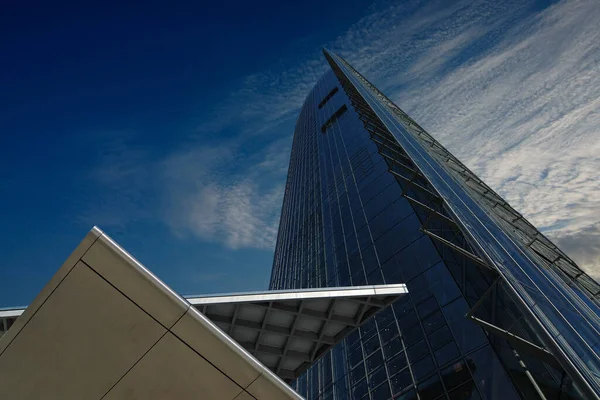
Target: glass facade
[[493, 309]]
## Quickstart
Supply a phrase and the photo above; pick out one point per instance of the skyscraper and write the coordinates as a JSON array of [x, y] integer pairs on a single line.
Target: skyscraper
[[495, 310]]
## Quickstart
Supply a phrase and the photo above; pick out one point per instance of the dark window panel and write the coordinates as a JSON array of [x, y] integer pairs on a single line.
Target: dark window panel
[[468, 336], [392, 348], [489, 375], [401, 381], [440, 337], [382, 391], [423, 368], [357, 374], [360, 389], [446, 353], [371, 344], [430, 388], [374, 361], [334, 118], [442, 284], [417, 351]]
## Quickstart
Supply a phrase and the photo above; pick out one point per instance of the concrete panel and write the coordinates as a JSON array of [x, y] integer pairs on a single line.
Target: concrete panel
[[129, 276], [217, 348], [244, 396], [265, 389], [84, 337], [102, 326], [172, 370], [79, 251]]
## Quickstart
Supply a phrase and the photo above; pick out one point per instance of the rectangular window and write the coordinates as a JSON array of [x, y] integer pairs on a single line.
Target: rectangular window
[[334, 118], [329, 96]]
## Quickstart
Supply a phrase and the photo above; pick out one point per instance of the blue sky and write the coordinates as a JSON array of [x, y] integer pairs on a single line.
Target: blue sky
[[169, 126]]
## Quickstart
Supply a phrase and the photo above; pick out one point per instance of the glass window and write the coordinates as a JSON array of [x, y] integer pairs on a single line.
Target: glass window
[[467, 334], [397, 363], [375, 278], [446, 353], [313, 380], [302, 383], [389, 216], [406, 315], [359, 279], [382, 391], [442, 284], [353, 338], [385, 317], [357, 374], [409, 264], [369, 258], [343, 273], [401, 381], [489, 375], [388, 332], [334, 118], [371, 345], [393, 348], [355, 357], [426, 252], [465, 392], [418, 288], [382, 223], [328, 97], [434, 322], [340, 368], [417, 351], [385, 198], [359, 222], [403, 307], [345, 209], [355, 204], [374, 361], [440, 337], [456, 374], [327, 394], [412, 334], [430, 388], [360, 389], [395, 239], [478, 281], [356, 265], [422, 368], [364, 237], [326, 368], [367, 330], [408, 395], [351, 243], [391, 271], [372, 189], [377, 377], [427, 307]]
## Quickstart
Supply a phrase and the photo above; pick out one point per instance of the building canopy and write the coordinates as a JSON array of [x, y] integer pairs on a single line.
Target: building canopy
[[106, 327]]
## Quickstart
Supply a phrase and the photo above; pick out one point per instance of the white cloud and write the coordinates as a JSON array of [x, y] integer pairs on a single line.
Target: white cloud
[[523, 113], [219, 195], [525, 116], [513, 92]]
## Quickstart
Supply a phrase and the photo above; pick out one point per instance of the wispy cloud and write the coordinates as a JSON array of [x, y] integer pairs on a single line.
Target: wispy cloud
[[221, 195], [518, 103], [512, 91]]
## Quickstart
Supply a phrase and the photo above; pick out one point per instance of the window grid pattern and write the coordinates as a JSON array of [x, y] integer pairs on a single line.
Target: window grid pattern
[[367, 233], [545, 375]]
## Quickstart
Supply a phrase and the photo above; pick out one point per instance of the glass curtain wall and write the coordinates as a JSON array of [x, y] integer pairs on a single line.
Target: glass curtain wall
[[357, 211]]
